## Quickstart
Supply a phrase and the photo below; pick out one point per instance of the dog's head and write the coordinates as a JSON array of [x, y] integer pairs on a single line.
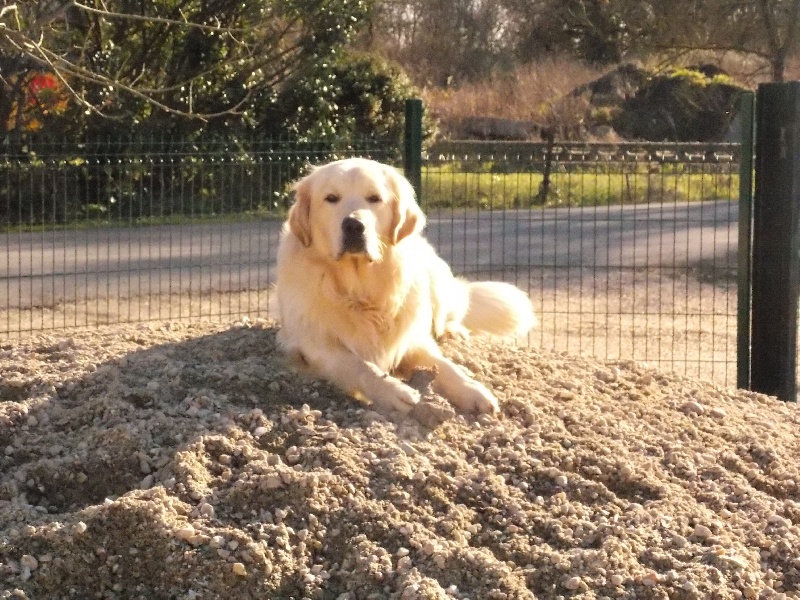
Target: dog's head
[[354, 207]]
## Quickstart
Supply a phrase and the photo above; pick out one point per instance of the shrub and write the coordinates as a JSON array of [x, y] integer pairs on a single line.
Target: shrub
[[358, 95]]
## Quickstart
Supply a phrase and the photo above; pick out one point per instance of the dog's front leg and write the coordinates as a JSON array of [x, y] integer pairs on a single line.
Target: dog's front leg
[[362, 378], [466, 394]]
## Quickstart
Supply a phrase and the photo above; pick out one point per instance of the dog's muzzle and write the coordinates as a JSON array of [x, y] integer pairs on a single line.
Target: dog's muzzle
[[354, 240]]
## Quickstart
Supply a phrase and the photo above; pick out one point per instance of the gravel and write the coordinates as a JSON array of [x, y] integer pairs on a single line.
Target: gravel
[[187, 462]]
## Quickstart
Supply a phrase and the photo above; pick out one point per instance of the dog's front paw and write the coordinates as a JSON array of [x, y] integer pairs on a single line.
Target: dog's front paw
[[476, 398], [398, 396], [455, 330]]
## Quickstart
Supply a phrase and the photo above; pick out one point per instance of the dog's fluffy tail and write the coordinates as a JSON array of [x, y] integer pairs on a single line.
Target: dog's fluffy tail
[[499, 309]]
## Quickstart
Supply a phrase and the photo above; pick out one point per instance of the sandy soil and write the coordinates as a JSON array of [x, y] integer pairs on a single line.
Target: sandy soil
[[185, 462]]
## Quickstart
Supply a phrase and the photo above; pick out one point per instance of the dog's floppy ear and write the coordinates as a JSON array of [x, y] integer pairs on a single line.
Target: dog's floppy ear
[[408, 217], [300, 213]]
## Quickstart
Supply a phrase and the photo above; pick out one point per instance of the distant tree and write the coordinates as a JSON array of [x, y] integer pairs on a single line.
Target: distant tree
[[443, 41], [767, 29]]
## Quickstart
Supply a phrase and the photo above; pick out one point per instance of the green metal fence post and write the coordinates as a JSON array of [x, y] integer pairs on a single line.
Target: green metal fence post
[[412, 151], [776, 223], [746, 105]]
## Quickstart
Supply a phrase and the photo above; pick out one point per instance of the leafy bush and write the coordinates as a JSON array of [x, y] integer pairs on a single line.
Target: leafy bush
[[682, 105], [358, 95]]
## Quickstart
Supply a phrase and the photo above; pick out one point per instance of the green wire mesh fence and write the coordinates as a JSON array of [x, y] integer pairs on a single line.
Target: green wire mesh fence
[[627, 250]]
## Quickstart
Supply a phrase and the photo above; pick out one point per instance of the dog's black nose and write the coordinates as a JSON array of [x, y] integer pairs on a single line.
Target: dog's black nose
[[352, 227]]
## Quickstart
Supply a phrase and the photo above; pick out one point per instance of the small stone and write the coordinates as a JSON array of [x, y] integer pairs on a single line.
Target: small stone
[[616, 579], [185, 533], [609, 376], [679, 541], [198, 539], [718, 413], [272, 481], [778, 521], [573, 583], [207, 510], [239, 569], [407, 448], [144, 464], [217, 541], [259, 431], [650, 579], [79, 528], [146, 483], [702, 532], [693, 408], [274, 386], [29, 562], [233, 544]]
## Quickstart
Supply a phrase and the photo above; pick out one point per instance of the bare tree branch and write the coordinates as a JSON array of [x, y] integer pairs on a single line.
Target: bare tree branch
[[257, 56], [109, 14]]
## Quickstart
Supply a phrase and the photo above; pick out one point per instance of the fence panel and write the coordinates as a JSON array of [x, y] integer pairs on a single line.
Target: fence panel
[[158, 229], [628, 250]]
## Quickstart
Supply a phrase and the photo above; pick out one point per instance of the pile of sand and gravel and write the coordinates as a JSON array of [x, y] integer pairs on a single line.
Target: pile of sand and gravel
[[177, 462]]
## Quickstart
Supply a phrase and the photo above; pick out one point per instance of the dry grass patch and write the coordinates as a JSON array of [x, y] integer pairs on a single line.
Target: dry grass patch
[[530, 92]]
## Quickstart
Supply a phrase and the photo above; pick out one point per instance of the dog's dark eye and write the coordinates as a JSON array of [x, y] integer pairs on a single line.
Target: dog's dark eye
[[332, 198], [373, 199]]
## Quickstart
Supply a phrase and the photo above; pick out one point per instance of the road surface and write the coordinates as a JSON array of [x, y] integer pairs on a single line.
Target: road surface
[[47, 268]]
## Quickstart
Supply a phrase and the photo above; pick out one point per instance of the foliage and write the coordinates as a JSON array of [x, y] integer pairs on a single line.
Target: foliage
[[37, 96], [680, 105], [697, 78], [221, 66], [357, 95]]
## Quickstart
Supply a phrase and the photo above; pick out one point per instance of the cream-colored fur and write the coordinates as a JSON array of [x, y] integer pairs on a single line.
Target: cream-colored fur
[[355, 309]]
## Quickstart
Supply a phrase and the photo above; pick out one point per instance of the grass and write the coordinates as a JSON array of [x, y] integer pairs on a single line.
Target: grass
[[444, 187]]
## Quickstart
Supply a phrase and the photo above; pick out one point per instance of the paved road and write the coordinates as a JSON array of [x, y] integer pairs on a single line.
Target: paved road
[[45, 268]]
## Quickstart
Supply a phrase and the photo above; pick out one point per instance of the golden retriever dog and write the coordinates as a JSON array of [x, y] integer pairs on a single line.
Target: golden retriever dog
[[363, 297]]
